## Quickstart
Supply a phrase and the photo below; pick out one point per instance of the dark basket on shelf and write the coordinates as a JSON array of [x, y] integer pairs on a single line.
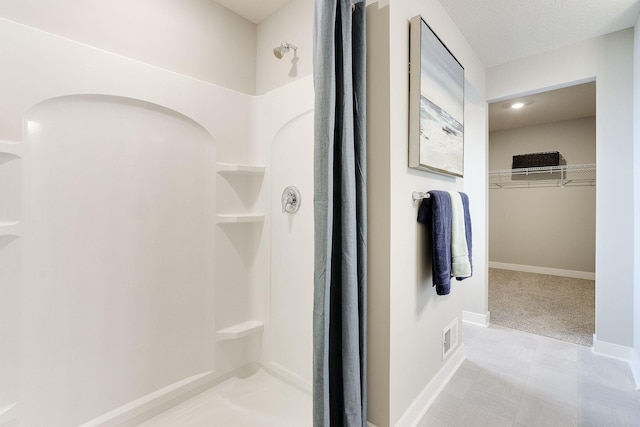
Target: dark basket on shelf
[[547, 159]]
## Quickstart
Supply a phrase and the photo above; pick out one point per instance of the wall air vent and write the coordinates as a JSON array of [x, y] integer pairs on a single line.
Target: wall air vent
[[449, 338]]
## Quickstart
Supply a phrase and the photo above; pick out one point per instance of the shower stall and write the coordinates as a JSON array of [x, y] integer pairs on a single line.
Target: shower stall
[[145, 252]]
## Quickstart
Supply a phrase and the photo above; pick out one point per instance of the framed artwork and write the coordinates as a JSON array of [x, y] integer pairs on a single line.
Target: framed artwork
[[436, 109]]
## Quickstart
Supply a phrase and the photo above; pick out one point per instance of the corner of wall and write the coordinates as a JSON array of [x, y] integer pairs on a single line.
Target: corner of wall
[[292, 23], [479, 319], [636, 197], [635, 368], [378, 183]]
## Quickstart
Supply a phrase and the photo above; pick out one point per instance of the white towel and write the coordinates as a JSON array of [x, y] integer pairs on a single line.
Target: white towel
[[460, 265]]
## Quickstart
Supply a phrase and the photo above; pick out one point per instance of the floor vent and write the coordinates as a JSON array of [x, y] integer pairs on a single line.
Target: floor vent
[[449, 338]]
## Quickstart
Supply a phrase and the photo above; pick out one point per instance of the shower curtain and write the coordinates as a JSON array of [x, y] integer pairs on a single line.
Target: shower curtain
[[340, 283]]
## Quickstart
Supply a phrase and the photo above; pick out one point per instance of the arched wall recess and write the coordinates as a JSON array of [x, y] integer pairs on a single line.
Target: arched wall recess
[[118, 253]]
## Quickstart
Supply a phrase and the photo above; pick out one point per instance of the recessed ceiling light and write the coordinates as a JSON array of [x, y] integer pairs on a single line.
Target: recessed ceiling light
[[517, 105]]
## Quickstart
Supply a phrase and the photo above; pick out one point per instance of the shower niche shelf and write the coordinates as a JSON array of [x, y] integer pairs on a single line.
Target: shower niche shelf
[[10, 188], [9, 414], [238, 195], [250, 327], [11, 147], [240, 218], [10, 228], [240, 169]]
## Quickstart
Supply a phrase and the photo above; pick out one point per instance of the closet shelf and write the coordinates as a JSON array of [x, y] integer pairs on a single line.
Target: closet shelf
[[547, 176], [239, 218], [241, 330], [240, 169]]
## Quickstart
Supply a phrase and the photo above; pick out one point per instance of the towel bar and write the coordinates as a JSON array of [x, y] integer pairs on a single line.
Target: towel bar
[[419, 195]]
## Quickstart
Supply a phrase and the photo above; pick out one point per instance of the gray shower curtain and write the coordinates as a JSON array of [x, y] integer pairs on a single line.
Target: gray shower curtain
[[340, 282]]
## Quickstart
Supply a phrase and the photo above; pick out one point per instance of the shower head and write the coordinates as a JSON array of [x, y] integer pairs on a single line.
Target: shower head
[[282, 49]]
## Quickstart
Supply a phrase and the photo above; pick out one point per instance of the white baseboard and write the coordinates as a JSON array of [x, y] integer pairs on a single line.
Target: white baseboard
[[635, 368], [476, 318], [615, 351], [288, 376], [156, 402], [621, 352], [544, 270], [421, 404]]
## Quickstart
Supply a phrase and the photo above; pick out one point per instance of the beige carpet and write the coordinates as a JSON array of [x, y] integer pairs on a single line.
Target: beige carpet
[[553, 306]]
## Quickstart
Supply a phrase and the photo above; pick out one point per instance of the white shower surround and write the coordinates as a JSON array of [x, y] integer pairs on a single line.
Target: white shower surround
[[242, 129]]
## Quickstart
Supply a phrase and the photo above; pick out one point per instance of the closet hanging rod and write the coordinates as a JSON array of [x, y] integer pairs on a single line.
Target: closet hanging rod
[[419, 195]]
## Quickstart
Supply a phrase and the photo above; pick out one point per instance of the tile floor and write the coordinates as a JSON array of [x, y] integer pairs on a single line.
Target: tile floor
[[510, 378], [513, 378]]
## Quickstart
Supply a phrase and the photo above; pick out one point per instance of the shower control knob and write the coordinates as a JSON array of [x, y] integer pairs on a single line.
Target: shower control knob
[[290, 199]]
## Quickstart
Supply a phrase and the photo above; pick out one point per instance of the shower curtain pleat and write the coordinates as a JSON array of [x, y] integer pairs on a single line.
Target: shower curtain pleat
[[340, 283]]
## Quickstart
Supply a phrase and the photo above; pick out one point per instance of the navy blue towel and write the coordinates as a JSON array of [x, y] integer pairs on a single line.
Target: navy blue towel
[[467, 229], [435, 212]]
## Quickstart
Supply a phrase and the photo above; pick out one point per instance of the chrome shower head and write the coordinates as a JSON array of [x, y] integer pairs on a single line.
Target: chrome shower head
[[282, 49]]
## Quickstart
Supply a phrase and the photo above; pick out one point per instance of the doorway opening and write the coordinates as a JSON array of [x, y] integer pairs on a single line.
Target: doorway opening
[[542, 205]]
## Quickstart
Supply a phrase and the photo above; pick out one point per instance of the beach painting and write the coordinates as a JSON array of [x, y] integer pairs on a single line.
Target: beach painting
[[436, 141]]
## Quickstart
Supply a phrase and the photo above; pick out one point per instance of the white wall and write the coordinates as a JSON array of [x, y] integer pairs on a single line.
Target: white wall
[[400, 285], [243, 128], [118, 266], [608, 59], [544, 227], [636, 198], [292, 23], [76, 69], [285, 120], [198, 38]]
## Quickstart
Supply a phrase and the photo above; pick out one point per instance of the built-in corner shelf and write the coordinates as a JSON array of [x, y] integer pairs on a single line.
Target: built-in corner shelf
[[240, 218], [11, 147], [10, 228], [240, 169], [547, 176], [9, 414], [250, 327], [11, 153]]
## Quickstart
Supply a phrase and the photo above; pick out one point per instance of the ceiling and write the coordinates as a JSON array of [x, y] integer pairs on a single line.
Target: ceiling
[[253, 10], [500, 31], [568, 103]]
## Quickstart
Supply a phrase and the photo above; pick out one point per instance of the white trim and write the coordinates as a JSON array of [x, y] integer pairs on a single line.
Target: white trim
[[139, 410], [544, 270], [288, 376], [542, 89], [421, 404], [635, 368], [615, 351], [476, 318]]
